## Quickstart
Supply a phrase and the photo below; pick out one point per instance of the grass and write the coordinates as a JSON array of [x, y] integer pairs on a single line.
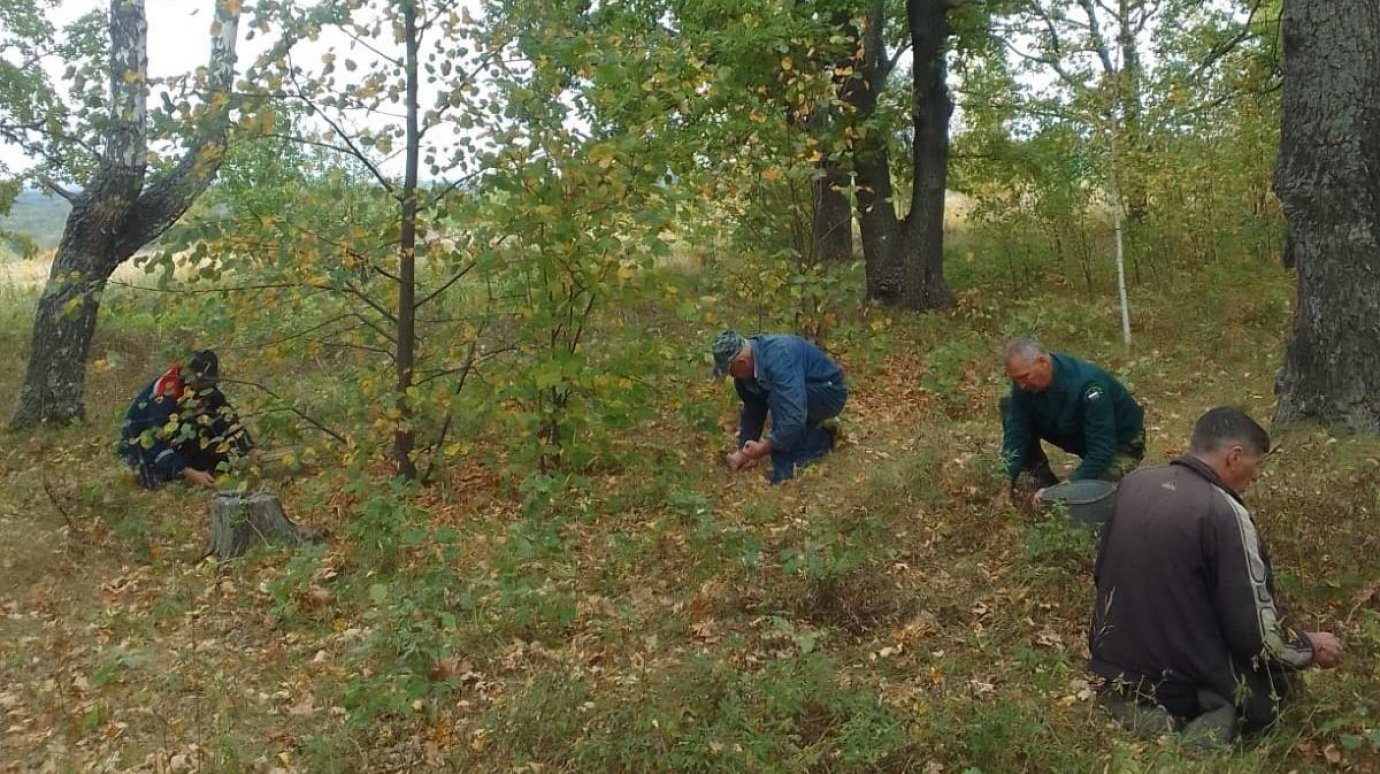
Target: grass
[[647, 612]]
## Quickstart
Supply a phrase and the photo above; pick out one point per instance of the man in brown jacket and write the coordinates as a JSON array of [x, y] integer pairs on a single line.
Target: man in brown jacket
[[1185, 628]]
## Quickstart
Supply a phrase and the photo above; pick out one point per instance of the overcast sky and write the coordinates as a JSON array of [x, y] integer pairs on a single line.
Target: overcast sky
[[179, 42]]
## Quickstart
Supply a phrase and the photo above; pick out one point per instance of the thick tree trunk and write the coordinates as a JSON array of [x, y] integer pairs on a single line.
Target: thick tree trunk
[[1327, 177], [877, 222], [832, 223], [118, 212], [905, 259], [882, 239], [64, 324], [925, 287]]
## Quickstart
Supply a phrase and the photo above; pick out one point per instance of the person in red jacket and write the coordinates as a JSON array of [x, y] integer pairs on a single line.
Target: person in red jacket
[[181, 426], [1186, 630]]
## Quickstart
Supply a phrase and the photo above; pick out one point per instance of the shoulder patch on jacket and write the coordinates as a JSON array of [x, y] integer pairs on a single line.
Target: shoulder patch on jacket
[[1093, 392]]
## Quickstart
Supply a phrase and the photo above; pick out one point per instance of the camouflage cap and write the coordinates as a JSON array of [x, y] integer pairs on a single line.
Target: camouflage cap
[[726, 346]]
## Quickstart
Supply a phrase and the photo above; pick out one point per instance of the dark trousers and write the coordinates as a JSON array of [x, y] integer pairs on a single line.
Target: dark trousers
[[1036, 465], [823, 402], [1257, 698], [214, 445]]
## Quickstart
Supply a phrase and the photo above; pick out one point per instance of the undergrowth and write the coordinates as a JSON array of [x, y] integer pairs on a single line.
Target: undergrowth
[[640, 609]]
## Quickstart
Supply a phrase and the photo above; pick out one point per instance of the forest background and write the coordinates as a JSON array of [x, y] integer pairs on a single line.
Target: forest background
[[462, 263]]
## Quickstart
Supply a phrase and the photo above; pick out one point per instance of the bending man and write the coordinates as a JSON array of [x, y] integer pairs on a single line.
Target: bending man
[[1072, 404], [795, 383]]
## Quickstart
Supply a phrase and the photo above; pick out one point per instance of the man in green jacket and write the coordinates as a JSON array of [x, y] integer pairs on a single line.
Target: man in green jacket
[[1072, 404]]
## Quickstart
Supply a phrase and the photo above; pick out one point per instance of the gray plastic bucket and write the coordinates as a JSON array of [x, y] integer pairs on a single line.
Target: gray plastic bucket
[[1088, 502]]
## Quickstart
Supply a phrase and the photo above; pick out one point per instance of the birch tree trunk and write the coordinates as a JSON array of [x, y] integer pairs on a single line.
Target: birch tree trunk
[[119, 210]]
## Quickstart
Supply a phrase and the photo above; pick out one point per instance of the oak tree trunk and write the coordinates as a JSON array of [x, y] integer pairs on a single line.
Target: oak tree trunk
[[833, 214], [1327, 177], [877, 222], [925, 287], [905, 258]]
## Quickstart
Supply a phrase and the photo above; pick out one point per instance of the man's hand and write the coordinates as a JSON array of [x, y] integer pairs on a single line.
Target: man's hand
[[1327, 649], [198, 477], [737, 460], [756, 450], [1035, 499]]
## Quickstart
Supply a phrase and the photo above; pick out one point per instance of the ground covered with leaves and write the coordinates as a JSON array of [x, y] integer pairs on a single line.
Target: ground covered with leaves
[[644, 610]]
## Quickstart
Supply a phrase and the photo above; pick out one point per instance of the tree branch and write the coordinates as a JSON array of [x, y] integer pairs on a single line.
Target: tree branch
[[290, 407], [387, 314], [362, 347], [167, 196], [1226, 47], [350, 147], [1099, 42], [233, 289], [291, 336], [53, 186], [438, 291], [371, 325]]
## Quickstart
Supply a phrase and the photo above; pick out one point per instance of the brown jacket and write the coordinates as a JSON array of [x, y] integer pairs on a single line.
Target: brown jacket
[[1185, 591]]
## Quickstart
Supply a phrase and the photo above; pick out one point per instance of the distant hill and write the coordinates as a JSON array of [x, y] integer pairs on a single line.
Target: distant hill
[[36, 218]]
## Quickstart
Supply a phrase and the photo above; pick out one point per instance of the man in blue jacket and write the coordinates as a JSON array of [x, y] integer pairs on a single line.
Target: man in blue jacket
[[1072, 404], [793, 381], [181, 426]]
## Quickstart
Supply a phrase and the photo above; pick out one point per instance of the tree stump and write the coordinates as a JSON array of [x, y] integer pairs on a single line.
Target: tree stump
[[240, 521]]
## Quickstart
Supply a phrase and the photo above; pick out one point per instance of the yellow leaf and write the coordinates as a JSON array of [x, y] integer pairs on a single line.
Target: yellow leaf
[[786, 64]]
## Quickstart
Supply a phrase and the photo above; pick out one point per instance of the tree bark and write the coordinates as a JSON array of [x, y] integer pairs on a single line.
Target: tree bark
[[832, 221], [117, 213], [404, 438], [832, 224], [882, 239], [877, 222], [1327, 177], [905, 258], [239, 522], [925, 287]]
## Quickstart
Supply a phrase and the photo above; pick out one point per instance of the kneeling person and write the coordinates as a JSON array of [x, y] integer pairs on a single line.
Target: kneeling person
[[181, 426], [1072, 404], [1185, 626], [793, 381]]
